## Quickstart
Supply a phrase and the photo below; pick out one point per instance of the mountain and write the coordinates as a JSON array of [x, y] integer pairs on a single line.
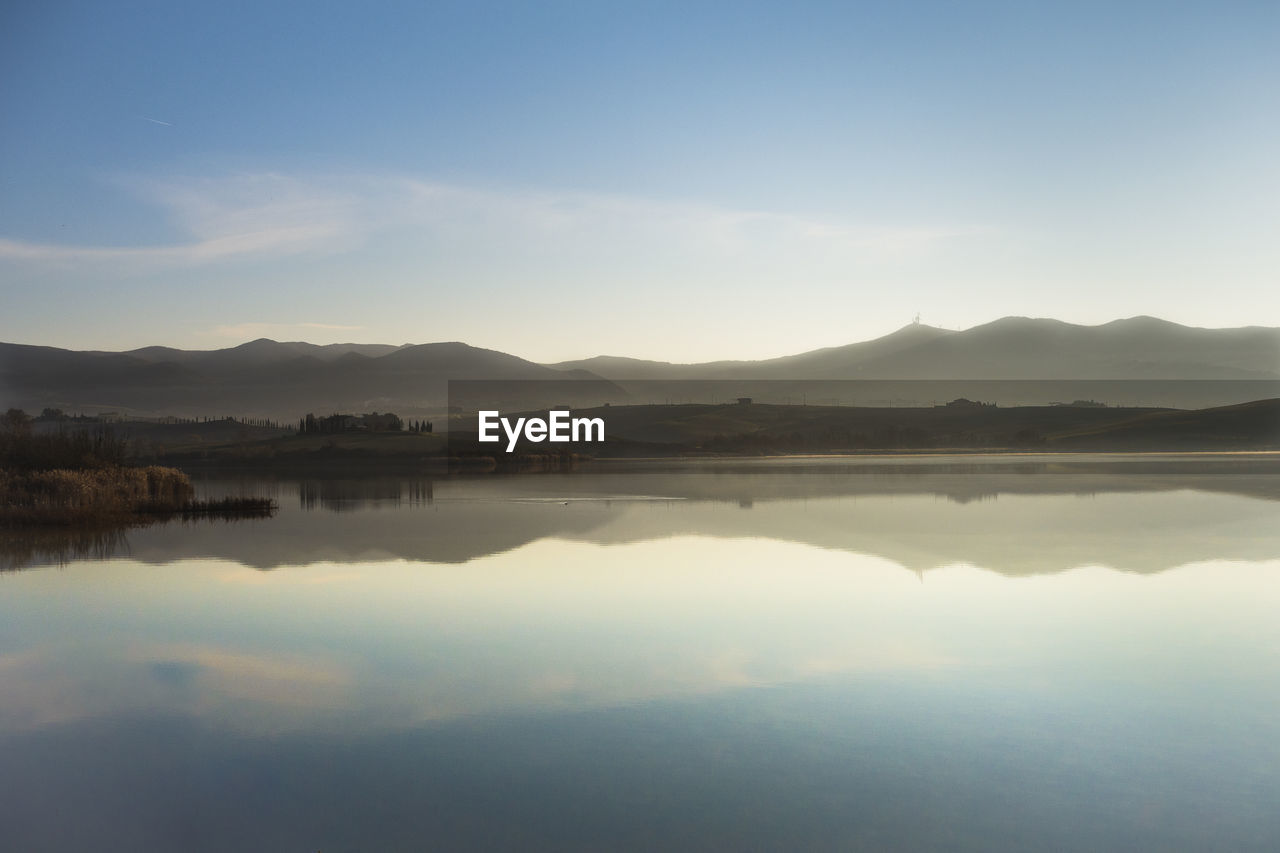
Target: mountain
[[1021, 348], [260, 351], [283, 380], [830, 363], [1137, 348], [262, 378]]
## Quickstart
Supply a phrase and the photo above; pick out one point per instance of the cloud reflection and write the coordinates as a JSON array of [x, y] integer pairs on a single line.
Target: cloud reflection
[[563, 626]]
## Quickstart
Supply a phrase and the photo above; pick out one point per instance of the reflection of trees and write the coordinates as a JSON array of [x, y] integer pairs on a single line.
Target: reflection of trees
[[20, 549], [344, 495], [1011, 516], [420, 492]]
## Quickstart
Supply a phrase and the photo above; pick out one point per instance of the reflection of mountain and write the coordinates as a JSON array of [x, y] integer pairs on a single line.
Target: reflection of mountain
[[1021, 517]]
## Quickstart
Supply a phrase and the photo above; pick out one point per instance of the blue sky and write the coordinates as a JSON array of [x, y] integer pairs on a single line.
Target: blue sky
[[684, 181]]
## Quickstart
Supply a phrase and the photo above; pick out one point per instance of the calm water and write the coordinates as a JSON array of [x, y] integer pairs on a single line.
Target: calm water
[[961, 654]]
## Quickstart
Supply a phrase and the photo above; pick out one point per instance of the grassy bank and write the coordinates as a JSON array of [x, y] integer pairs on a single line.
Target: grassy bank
[[113, 494]]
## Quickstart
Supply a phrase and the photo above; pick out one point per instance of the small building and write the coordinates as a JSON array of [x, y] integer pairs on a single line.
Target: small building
[[744, 401]]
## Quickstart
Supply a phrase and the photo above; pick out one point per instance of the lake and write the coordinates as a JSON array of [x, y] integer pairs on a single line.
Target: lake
[[961, 653]]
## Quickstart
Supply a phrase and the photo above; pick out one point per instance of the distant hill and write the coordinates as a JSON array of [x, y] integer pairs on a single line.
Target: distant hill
[[260, 351], [261, 377], [1139, 348], [1254, 424], [768, 428], [284, 379]]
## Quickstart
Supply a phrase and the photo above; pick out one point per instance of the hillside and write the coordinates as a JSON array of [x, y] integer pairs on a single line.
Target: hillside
[[1139, 348], [266, 378], [260, 378], [765, 429], [1255, 424]]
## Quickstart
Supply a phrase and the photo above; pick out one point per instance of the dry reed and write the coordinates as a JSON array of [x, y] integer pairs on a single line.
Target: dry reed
[[62, 496]]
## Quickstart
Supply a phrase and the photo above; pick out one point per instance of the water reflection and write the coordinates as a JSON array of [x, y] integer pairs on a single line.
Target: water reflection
[[1014, 516], [40, 546], [727, 659], [563, 625], [345, 495], [681, 693]]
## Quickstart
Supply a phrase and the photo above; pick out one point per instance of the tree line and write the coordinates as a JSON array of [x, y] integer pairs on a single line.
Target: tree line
[[310, 424]]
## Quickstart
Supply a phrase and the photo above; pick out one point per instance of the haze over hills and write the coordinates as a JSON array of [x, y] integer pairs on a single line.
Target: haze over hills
[[262, 377], [266, 377], [262, 350], [1009, 348]]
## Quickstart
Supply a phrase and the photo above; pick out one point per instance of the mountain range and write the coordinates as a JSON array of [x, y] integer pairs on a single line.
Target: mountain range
[[284, 379], [1010, 348]]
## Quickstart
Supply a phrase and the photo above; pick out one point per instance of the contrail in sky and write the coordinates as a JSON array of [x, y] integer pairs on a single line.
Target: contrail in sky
[[157, 121]]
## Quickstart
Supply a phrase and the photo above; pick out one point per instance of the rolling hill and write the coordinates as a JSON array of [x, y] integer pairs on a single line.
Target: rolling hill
[[285, 379], [262, 378], [1012, 348]]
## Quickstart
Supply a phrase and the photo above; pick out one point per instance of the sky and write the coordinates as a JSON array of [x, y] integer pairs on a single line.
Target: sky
[[684, 181]]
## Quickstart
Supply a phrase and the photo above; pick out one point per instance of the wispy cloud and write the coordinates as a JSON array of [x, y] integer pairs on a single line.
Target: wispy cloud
[[279, 240], [544, 215], [271, 215], [233, 218]]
